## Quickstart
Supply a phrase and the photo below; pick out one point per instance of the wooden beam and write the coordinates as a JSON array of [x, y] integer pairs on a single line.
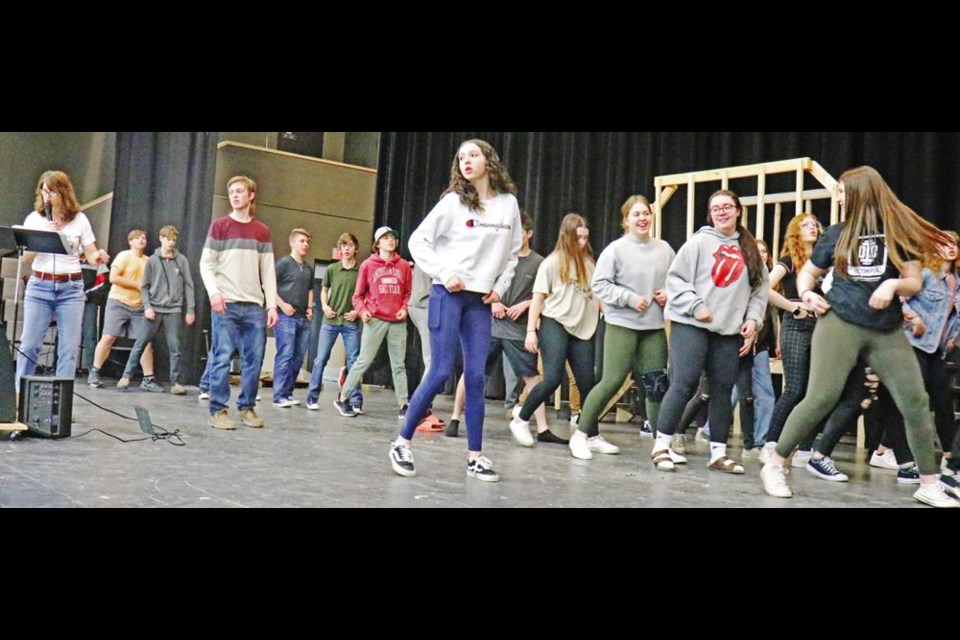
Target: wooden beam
[[746, 171], [783, 198]]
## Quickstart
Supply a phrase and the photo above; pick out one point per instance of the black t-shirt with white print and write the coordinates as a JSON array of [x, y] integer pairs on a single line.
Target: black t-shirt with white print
[[850, 297]]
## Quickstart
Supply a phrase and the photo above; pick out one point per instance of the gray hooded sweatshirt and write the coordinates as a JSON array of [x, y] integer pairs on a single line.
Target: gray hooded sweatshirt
[[167, 284], [711, 270]]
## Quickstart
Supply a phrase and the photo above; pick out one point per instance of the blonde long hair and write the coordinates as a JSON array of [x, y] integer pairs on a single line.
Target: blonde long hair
[[573, 258]]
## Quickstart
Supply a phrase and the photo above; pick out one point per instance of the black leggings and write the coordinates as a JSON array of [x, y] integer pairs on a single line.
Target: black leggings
[[692, 351], [557, 347]]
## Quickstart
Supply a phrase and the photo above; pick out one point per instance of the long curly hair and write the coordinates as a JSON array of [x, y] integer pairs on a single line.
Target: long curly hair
[[874, 209], [793, 245], [748, 244], [573, 258], [60, 183], [500, 180], [933, 260]]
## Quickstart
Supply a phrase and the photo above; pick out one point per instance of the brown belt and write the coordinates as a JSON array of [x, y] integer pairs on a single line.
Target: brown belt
[[58, 277]]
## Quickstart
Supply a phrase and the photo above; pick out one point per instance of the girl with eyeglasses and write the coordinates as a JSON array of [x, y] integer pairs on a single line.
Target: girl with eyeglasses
[[875, 258], [55, 288], [717, 298]]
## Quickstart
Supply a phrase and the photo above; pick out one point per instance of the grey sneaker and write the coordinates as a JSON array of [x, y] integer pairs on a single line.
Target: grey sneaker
[[94, 379], [150, 385]]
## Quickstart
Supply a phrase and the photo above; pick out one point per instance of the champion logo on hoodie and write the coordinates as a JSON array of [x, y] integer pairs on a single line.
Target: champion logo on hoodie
[[728, 265], [473, 223]]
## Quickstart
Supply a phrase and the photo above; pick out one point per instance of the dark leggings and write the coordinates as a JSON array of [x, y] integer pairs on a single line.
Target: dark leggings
[[880, 423], [557, 347], [796, 337], [692, 351]]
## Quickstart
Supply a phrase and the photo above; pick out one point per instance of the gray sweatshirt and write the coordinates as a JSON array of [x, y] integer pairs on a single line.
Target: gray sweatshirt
[[627, 270], [167, 284], [710, 270]]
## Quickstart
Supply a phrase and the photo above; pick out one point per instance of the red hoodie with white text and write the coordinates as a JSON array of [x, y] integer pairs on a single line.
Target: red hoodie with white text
[[383, 288]]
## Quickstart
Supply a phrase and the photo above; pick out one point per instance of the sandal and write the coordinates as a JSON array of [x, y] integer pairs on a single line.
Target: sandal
[[662, 460], [726, 465]]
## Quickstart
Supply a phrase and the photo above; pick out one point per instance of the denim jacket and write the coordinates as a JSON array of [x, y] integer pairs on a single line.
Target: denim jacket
[[932, 304]]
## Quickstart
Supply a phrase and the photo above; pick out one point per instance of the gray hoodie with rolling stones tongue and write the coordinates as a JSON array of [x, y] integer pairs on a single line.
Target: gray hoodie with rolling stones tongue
[[710, 269]]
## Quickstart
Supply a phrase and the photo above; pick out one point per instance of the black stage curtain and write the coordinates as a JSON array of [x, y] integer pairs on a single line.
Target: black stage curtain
[[167, 178], [592, 173]]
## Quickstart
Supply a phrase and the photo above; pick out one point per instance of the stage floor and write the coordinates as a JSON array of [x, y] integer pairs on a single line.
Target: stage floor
[[319, 459]]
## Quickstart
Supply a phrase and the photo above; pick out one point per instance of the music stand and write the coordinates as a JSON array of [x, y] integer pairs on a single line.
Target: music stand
[[34, 240]]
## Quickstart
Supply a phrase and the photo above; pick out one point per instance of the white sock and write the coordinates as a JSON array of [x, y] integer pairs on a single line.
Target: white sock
[[717, 451], [662, 443]]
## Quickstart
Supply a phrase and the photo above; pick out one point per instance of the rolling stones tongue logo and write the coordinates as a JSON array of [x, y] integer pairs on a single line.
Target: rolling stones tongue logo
[[728, 265]]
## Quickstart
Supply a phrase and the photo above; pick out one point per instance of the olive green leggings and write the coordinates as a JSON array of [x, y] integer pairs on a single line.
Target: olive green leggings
[[836, 346], [624, 350]]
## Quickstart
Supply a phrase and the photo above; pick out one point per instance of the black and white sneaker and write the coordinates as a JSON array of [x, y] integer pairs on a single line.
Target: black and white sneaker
[[403, 413], [825, 469], [344, 408], [909, 475], [482, 469], [951, 485], [646, 429], [357, 409], [401, 459]]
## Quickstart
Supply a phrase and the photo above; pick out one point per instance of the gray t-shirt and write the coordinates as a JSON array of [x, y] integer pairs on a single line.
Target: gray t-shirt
[[420, 293], [521, 289], [294, 281]]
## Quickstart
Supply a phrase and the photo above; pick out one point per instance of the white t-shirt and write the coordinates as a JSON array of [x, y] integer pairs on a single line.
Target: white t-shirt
[[79, 234]]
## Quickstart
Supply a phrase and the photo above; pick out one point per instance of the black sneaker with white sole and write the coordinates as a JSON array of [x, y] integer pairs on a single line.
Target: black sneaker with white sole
[[482, 469], [909, 475], [403, 413], [401, 459], [344, 408]]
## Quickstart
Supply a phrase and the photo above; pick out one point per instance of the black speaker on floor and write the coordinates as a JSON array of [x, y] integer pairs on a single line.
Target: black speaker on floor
[[8, 403], [46, 405]]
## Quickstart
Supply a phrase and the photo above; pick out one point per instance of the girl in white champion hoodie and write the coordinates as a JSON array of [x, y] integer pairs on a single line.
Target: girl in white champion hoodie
[[469, 246]]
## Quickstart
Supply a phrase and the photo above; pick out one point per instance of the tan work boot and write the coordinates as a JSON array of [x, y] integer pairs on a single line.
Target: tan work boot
[[178, 390], [221, 420], [250, 418], [123, 383]]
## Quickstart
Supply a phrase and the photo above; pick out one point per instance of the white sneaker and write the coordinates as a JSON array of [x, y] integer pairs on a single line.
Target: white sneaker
[[752, 453], [204, 395], [521, 432], [598, 445], [293, 403], [313, 406], [801, 458], [575, 420], [678, 444], [283, 404], [935, 496], [579, 446], [886, 461], [767, 452], [775, 481]]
